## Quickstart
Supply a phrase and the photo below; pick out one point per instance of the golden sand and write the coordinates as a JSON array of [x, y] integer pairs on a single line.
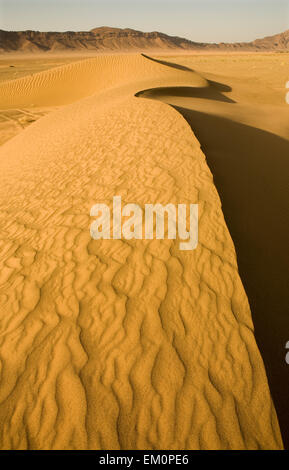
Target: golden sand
[[119, 344]]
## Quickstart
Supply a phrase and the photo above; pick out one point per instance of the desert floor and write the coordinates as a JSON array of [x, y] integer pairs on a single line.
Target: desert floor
[[134, 344]]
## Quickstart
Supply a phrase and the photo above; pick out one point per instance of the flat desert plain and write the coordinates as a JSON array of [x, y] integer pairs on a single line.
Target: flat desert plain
[[135, 344]]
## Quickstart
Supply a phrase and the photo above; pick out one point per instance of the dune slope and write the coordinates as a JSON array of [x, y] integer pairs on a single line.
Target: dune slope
[[244, 132], [119, 344]]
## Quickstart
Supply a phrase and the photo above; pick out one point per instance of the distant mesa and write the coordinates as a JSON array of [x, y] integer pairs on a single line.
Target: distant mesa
[[106, 38]]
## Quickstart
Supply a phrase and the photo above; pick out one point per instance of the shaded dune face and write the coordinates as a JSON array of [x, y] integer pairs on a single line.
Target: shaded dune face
[[250, 168], [119, 344]]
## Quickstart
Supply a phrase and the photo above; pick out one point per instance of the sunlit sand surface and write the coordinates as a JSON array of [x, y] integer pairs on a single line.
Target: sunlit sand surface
[[242, 123], [119, 344]]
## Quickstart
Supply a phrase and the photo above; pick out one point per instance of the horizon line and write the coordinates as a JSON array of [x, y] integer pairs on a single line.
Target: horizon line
[[141, 31]]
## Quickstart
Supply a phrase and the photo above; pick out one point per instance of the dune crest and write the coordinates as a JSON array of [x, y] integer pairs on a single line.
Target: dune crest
[[119, 344], [71, 82]]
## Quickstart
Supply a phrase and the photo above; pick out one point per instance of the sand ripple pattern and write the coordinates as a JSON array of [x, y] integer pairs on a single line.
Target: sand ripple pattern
[[121, 344]]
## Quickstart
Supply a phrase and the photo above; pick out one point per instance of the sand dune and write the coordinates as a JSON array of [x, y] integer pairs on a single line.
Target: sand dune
[[246, 141], [119, 344], [71, 82]]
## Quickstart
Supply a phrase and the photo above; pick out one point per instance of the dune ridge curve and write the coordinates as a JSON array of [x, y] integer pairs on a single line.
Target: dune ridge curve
[[119, 344]]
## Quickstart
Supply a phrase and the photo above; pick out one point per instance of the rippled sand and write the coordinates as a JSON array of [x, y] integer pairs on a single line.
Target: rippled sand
[[119, 344]]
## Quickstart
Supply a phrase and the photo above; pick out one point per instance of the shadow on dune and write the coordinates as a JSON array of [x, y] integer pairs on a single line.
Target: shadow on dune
[[213, 92], [250, 168], [169, 64], [221, 87]]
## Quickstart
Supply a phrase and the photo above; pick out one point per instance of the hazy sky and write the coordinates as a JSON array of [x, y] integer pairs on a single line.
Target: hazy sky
[[199, 20]]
